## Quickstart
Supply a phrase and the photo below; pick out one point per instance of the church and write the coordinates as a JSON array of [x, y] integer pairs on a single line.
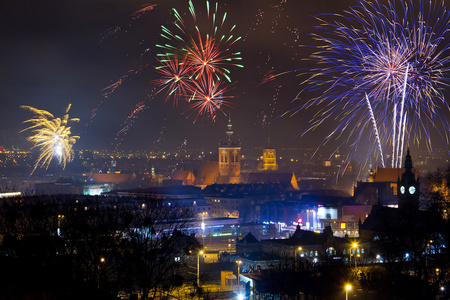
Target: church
[[383, 220], [227, 170], [386, 184]]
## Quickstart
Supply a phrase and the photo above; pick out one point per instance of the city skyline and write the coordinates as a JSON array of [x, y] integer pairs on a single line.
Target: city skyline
[[60, 54]]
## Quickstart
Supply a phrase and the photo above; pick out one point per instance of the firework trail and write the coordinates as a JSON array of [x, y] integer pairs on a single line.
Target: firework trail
[[52, 136], [401, 130], [375, 128], [128, 123], [107, 91], [134, 16], [390, 52], [145, 8]]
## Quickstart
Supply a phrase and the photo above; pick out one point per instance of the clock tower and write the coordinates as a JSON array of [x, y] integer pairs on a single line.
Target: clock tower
[[408, 187]]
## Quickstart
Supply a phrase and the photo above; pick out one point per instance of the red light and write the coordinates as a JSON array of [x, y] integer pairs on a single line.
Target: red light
[[299, 220]]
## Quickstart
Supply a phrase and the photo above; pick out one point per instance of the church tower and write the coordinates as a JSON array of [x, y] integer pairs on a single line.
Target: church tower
[[269, 161], [408, 187], [230, 158]]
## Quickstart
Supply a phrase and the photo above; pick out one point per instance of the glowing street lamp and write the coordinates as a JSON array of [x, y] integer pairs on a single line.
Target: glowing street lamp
[[348, 287], [102, 261], [198, 268], [295, 256], [238, 271], [355, 246]]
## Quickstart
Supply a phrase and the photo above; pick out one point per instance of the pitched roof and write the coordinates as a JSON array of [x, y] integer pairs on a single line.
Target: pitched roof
[[391, 174], [185, 176], [207, 174], [110, 177], [248, 239], [286, 179]]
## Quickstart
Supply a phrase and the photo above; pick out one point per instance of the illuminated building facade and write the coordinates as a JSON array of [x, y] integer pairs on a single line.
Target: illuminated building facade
[[269, 160], [229, 159]]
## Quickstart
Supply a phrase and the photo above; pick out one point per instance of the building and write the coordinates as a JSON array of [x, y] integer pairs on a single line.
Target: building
[[241, 200], [269, 159], [229, 159], [288, 180], [408, 186], [399, 226], [382, 186], [185, 177], [207, 174], [71, 186], [303, 244]]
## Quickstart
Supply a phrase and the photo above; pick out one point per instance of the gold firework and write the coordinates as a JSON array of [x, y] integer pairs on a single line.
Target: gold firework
[[51, 136]]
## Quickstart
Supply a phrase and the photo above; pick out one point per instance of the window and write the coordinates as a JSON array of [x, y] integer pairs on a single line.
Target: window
[[331, 251]]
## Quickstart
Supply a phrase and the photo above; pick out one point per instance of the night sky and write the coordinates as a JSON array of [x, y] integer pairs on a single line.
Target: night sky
[[56, 52]]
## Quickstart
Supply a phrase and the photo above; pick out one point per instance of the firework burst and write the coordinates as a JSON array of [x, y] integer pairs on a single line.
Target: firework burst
[[175, 78], [396, 54], [52, 136], [208, 97], [204, 64]]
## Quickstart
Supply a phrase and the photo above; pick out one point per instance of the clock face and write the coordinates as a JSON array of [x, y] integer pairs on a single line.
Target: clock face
[[412, 190], [402, 189]]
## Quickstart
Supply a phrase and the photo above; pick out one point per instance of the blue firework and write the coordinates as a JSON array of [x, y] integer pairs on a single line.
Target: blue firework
[[396, 54]]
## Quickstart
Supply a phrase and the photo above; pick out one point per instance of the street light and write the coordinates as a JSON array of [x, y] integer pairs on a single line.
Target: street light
[[102, 260], [295, 256], [238, 271], [355, 246], [198, 268], [348, 287]]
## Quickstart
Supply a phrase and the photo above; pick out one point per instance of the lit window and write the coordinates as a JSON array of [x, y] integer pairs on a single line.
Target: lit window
[[343, 225]]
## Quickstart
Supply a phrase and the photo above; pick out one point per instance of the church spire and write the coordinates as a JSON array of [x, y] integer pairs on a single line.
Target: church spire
[[408, 162], [229, 128]]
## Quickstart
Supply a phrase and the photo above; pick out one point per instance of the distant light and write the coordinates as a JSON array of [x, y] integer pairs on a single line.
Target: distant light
[[11, 194], [240, 297]]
